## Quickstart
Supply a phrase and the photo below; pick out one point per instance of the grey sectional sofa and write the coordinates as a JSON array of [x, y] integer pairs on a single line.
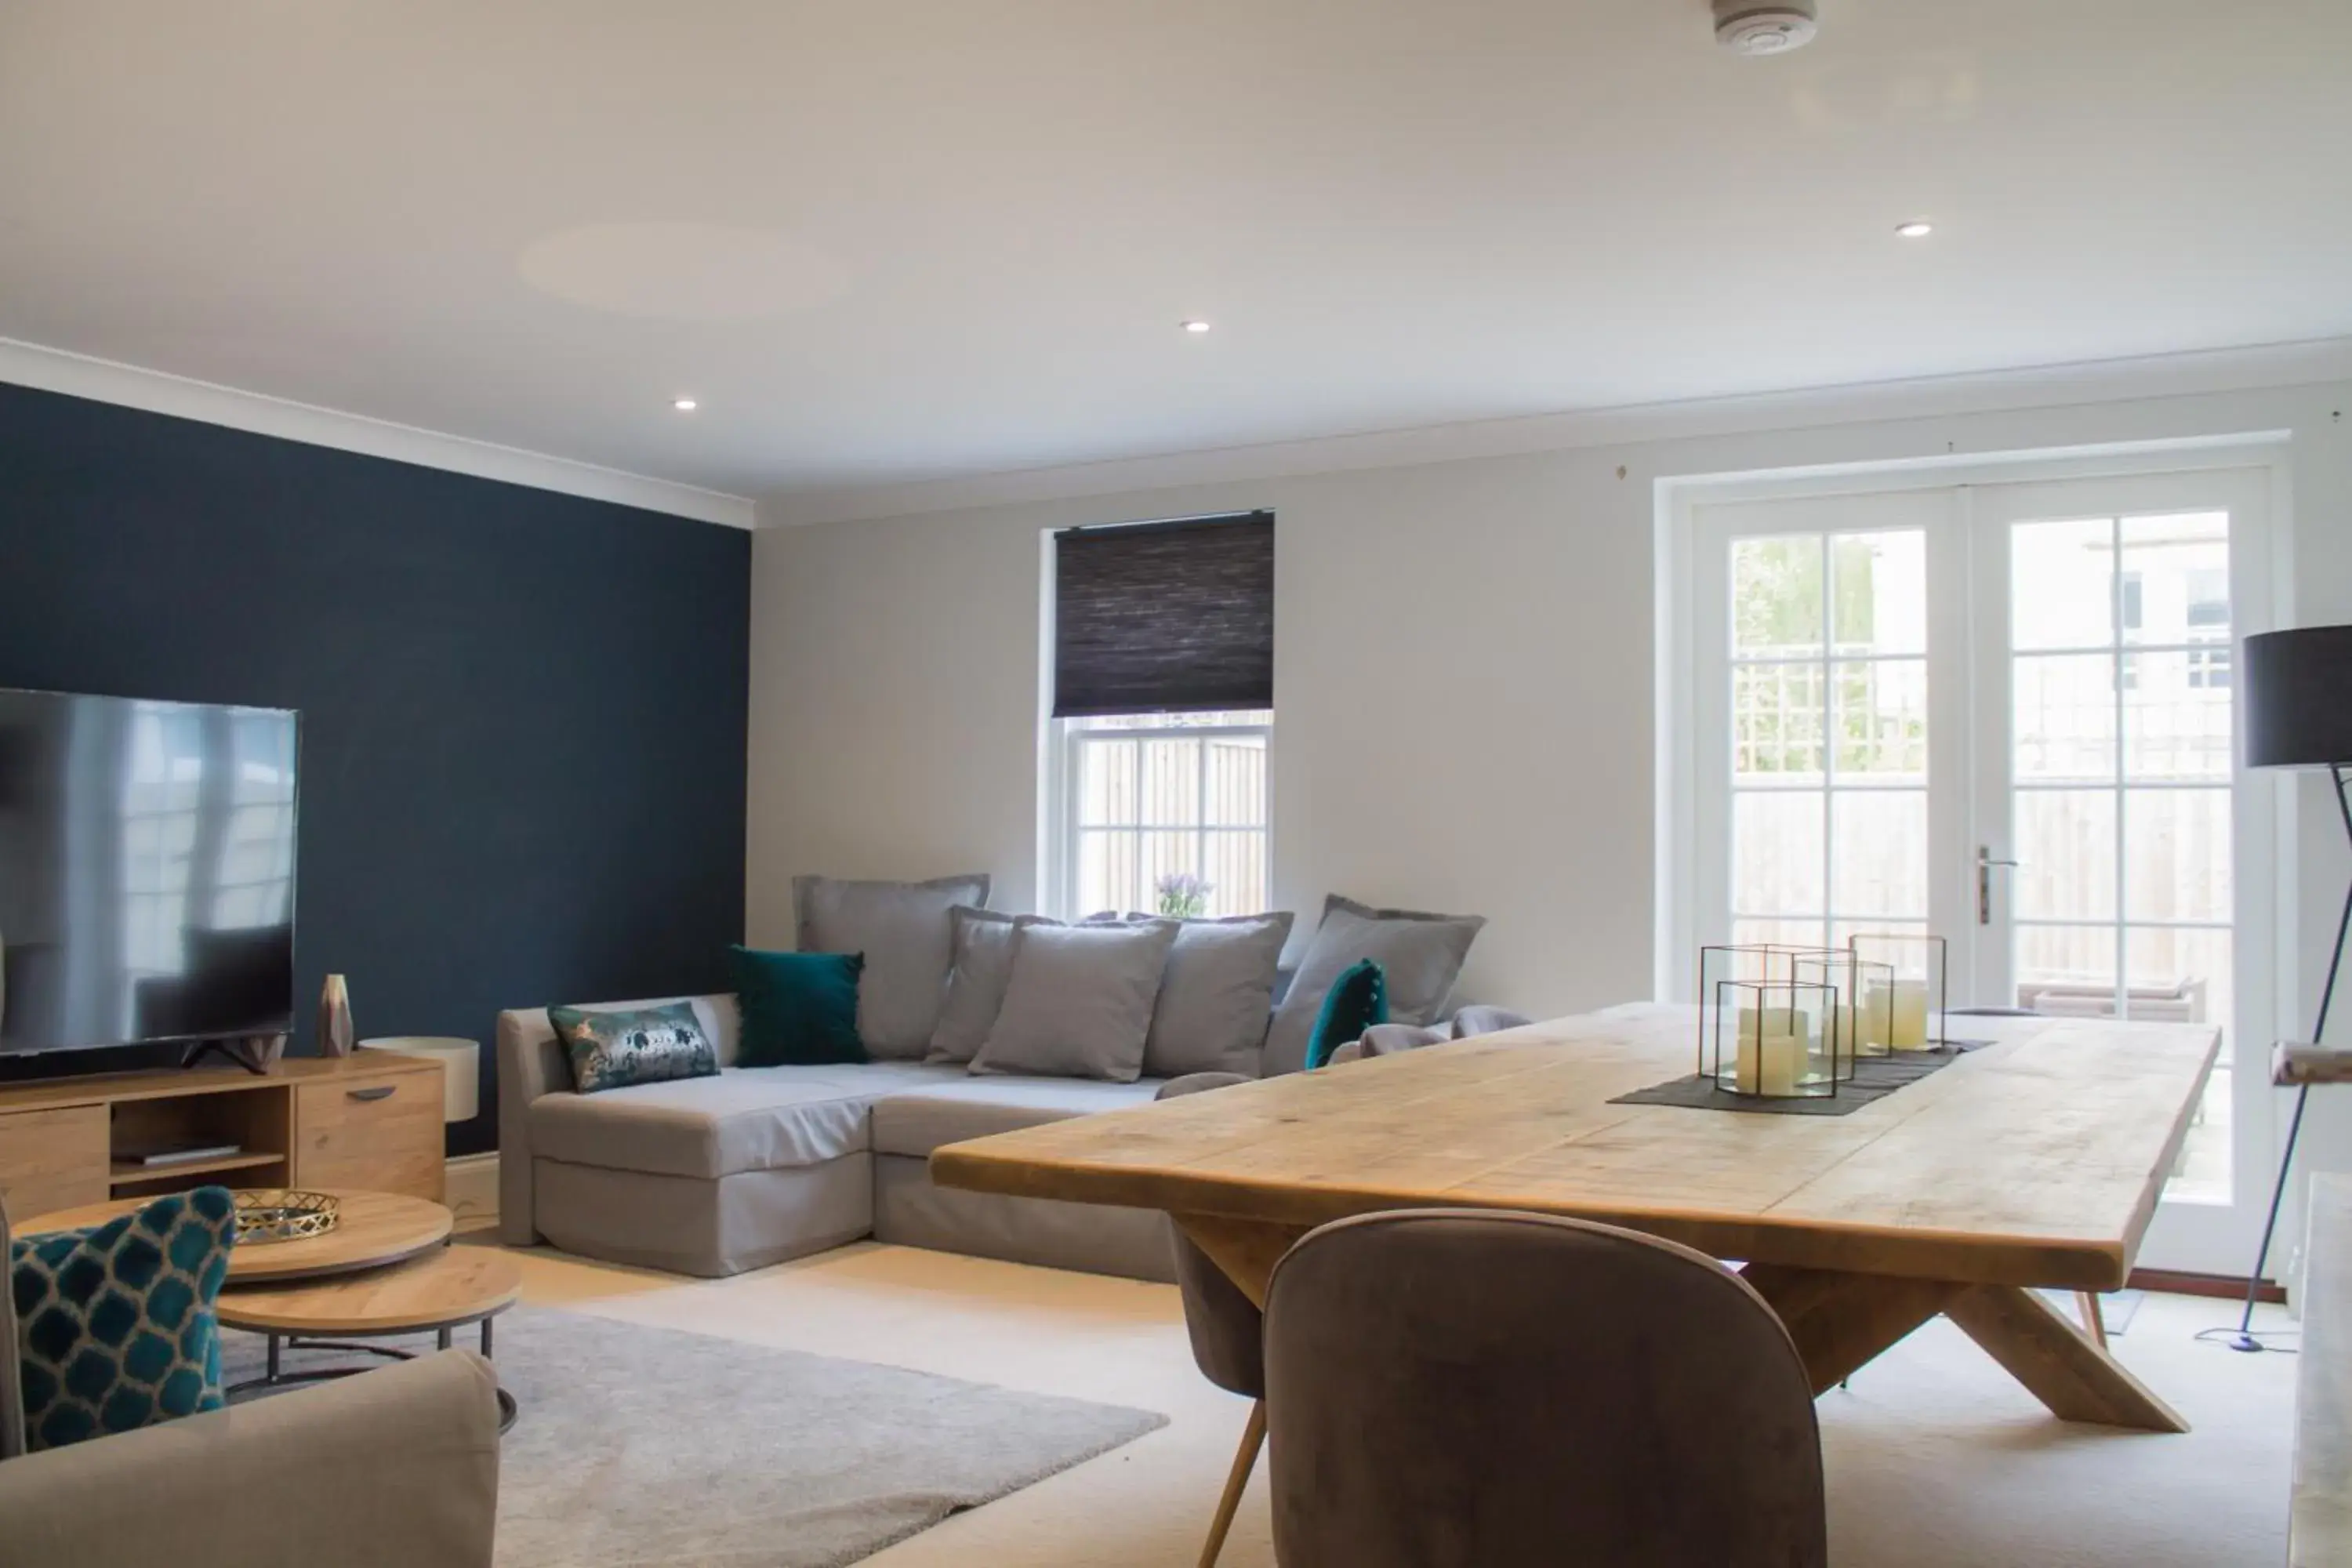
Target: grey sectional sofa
[[715, 1175]]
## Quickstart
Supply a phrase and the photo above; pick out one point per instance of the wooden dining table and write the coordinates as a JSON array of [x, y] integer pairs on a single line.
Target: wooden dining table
[[2032, 1161]]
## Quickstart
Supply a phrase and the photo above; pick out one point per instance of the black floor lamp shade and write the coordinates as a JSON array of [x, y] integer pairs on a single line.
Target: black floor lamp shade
[[2298, 697]]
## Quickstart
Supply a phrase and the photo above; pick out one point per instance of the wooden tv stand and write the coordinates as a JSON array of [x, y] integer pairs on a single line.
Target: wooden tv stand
[[370, 1121]]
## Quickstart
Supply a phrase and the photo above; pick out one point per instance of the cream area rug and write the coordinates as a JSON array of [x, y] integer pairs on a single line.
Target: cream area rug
[[640, 1445]]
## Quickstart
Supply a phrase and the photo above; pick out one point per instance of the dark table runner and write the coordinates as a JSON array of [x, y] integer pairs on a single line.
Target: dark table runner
[[1874, 1077]]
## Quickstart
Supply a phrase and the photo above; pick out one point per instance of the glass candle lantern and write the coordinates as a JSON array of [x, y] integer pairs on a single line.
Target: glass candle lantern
[[1916, 996], [1760, 1038], [1755, 962], [1861, 1020]]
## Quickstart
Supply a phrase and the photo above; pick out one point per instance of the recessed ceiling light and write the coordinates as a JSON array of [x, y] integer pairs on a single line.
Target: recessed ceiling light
[[684, 405], [1917, 229], [1195, 328]]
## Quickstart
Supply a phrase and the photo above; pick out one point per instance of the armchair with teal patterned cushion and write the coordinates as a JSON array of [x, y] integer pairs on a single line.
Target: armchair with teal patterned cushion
[[388, 1469]]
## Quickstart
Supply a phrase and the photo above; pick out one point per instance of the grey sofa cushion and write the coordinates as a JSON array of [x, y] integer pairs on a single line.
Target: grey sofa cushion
[[746, 1118], [902, 930], [981, 945], [1472, 1022], [1079, 1003], [920, 1119], [1388, 1039], [1419, 953], [1216, 996]]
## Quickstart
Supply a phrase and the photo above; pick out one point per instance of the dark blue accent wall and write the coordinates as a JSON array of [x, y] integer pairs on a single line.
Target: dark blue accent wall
[[523, 713]]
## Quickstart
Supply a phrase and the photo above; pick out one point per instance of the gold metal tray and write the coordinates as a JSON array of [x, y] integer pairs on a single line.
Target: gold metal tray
[[277, 1213]]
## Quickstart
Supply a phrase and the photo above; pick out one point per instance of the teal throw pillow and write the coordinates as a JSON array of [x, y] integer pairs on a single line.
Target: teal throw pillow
[[647, 1045], [800, 1009], [1356, 1000], [115, 1325]]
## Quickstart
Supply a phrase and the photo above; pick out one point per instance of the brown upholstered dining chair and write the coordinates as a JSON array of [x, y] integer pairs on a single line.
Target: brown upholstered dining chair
[[1226, 1330], [1452, 1388]]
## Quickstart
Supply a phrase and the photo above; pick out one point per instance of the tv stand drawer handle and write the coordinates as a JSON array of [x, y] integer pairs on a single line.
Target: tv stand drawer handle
[[381, 1092]]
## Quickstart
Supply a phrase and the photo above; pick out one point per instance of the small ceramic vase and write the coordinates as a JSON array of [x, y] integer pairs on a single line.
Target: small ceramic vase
[[335, 1034]]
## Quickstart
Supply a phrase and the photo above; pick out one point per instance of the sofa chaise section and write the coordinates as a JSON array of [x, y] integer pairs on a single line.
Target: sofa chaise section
[[708, 1176]]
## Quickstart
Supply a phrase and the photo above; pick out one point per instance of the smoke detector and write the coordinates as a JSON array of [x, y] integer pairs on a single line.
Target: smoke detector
[[1764, 26]]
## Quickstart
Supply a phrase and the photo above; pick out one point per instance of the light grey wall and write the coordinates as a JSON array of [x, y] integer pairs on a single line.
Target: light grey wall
[[1463, 718]]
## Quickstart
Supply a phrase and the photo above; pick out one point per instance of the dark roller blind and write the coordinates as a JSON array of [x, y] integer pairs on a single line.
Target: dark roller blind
[[1165, 617]]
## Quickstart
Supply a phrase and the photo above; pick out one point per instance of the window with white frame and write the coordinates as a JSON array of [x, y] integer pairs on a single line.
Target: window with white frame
[[1161, 716], [1828, 778], [1166, 813]]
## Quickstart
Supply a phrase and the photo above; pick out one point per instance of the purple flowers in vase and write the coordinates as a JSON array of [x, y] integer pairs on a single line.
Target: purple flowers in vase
[[1182, 895]]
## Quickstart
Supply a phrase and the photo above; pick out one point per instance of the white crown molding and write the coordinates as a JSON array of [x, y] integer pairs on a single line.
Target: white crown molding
[[2045, 386], [105, 381]]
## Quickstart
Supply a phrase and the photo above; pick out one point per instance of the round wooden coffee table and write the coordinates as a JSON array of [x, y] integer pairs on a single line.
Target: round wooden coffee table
[[436, 1292], [386, 1268], [371, 1229]]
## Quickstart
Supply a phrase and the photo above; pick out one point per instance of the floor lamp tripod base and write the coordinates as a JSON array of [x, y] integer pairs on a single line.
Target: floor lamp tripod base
[[2243, 1339], [2301, 1069]]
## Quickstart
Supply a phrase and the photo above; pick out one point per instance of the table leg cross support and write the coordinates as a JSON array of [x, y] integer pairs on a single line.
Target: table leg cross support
[[1840, 1321], [2043, 1350]]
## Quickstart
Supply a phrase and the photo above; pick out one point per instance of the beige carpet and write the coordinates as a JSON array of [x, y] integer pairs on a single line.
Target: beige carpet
[[1935, 1459], [827, 1459]]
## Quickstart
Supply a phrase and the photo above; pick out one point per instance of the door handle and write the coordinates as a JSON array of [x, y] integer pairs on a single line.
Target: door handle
[[381, 1092], [1985, 862]]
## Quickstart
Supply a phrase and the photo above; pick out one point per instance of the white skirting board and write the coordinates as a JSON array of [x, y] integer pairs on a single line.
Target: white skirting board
[[473, 1189]]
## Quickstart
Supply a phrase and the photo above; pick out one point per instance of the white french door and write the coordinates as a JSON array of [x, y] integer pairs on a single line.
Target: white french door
[[1832, 791], [2106, 771], [2004, 714]]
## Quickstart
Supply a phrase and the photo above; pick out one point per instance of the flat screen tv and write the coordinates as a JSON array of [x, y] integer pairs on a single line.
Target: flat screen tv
[[146, 871]]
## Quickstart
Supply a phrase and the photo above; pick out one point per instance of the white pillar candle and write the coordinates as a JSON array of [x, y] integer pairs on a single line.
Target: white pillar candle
[[1841, 1039], [1876, 1024], [1841, 1030], [1770, 1064], [1772, 1021], [1910, 1015]]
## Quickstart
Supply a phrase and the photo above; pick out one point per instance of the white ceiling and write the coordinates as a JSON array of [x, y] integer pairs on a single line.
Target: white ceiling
[[891, 241]]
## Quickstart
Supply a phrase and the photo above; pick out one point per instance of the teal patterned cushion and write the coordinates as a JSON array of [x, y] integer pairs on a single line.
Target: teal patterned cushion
[[114, 1325], [651, 1045]]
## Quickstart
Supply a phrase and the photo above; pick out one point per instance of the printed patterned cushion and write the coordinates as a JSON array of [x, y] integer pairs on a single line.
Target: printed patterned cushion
[[614, 1050], [115, 1325]]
